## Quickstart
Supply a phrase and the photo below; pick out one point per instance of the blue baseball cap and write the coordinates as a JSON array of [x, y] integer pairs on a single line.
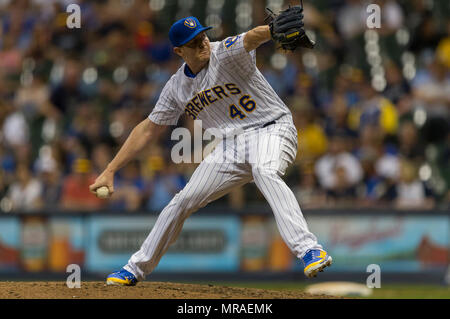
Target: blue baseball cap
[[185, 30]]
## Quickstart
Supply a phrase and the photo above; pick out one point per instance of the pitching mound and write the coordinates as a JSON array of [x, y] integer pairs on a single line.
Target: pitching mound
[[146, 290]]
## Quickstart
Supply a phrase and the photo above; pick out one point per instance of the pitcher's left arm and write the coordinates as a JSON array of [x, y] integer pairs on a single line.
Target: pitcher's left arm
[[256, 37]]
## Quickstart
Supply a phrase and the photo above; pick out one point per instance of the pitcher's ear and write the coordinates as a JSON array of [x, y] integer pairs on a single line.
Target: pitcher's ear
[[177, 51]]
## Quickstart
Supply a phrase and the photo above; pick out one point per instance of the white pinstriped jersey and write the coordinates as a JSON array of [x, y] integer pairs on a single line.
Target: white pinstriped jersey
[[229, 94]]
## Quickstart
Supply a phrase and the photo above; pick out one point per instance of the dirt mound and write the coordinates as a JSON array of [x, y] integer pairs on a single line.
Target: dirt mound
[[145, 290]]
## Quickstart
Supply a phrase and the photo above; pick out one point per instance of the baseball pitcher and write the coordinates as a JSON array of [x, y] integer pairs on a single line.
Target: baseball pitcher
[[220, 84]]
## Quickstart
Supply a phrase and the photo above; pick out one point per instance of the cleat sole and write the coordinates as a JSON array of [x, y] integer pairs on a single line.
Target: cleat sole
[[115, 283], [319, 268]]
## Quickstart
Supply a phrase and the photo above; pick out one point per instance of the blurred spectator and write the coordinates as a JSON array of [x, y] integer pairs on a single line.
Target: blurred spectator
[[338, 171], [426, 34], [51, 177], [128, 189], [351, 19], [101, 157], [10, 55], [430, 88], [88, 127], [164, 186], [373, 186], [443, 49], [3, 184], [67, 95], [312, 140], [410, 192], [392, 17], [443, 164], [370, 152], [338, 118], [308, 192], [75, 191], [409, 144], [25, 192], [375, 109], [397, 87], [34, 99], [15, 129]]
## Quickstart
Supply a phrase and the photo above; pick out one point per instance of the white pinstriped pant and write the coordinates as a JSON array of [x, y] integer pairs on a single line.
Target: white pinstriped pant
[[268, 152]]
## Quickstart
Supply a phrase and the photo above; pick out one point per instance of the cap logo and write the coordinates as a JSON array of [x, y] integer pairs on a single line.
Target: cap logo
[[190, 23]]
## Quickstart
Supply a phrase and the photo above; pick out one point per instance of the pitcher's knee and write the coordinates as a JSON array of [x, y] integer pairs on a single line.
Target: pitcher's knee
[[262, 172], [188, 203]]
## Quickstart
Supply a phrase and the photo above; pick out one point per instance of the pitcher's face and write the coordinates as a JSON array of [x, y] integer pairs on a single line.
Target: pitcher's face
[[198, 50]]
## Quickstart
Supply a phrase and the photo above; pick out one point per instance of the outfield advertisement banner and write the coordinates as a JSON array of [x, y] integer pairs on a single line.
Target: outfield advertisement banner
[[9, 244], [224, 243], [205, 243], [396, 244], [66, 243], [404, 244]]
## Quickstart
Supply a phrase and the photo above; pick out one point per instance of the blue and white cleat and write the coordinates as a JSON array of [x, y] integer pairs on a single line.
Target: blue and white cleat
[[315, 261], [121, 278]]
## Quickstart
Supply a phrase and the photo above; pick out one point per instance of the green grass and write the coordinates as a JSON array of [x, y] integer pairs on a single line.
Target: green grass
[[388, 291], [412, 292]]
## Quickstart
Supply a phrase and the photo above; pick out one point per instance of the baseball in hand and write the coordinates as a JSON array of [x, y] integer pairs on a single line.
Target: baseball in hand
[[102, 192]]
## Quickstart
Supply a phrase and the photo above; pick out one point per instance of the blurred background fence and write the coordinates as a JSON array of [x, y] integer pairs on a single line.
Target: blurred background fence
[[408, 246]]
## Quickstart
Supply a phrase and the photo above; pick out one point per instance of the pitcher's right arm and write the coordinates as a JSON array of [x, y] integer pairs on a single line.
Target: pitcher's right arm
[[141, 135]]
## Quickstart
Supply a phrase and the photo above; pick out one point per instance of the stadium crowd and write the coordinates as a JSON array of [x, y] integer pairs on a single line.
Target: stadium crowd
[[372, 107]]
